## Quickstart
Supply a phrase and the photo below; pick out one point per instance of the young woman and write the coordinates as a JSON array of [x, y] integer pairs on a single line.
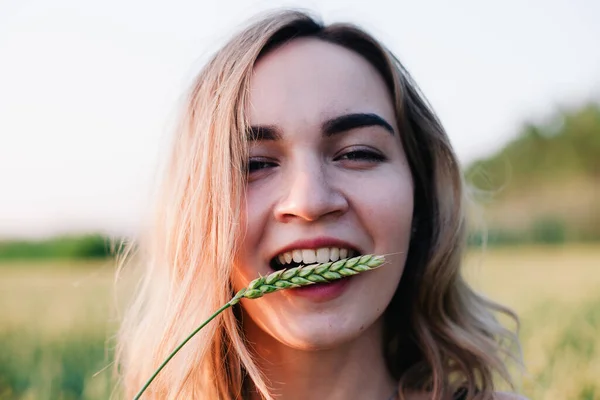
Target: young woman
[[303, 143]]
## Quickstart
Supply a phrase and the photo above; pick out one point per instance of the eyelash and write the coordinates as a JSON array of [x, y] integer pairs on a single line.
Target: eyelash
[[362, 155], [258, 164]]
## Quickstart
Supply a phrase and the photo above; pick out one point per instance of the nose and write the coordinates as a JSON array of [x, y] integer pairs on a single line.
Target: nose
[[309, 194]]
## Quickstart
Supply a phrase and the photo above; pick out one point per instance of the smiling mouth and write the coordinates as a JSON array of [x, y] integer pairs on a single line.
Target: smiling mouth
[[301, 257]]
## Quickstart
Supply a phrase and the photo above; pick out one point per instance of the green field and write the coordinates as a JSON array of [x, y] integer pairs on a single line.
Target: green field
[[57, 320]]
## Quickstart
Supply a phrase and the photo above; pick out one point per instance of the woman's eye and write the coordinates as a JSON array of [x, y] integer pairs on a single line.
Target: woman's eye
[[362, 155], [259, 164]]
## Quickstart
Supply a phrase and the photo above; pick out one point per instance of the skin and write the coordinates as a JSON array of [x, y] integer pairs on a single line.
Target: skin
[[355, 186], [304, 185]]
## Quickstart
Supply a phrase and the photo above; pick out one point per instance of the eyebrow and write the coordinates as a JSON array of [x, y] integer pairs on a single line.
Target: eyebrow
[[347, 122], [336, 125], [262, 132]]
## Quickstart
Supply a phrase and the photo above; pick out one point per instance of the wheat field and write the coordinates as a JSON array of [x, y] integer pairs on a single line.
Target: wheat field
[[58, 319]]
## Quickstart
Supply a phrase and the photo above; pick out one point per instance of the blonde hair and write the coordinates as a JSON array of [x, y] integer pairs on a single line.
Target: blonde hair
[[439, 333]]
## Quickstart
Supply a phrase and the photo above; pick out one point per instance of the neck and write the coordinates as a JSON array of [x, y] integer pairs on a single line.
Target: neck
[[354, 370]]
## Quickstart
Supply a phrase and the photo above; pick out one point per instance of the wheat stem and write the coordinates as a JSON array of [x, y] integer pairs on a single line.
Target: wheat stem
[[226, 306], [284, 279]]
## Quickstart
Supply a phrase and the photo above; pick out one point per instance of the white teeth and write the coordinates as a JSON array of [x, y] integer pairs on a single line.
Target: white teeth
[[297, 255], [343, 253], [322, 255], [309, 256], [334, 253]]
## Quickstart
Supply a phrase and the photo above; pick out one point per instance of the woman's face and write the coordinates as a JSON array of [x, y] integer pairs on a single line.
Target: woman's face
[[327, 176]]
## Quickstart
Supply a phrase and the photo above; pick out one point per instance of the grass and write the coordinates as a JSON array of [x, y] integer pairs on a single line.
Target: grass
[[555, 292], [56, 322], [54, 330]]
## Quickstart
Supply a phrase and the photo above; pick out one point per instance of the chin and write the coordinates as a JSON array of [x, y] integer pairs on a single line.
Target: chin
[[321, 330], [317, 337]]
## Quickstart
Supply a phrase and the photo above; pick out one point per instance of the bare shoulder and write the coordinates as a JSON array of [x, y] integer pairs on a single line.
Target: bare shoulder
[[508, 396]]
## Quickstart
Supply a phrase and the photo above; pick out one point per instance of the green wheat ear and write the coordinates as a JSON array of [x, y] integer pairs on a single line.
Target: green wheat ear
[[307, 275], [285, 279]]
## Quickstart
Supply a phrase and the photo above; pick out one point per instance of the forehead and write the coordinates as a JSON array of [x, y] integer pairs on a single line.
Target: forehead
[[308, 80]]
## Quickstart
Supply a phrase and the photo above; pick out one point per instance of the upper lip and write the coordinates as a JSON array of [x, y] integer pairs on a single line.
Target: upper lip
[[316, 243]]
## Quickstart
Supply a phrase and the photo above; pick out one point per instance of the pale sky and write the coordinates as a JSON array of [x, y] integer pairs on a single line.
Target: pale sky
[[89, 90]]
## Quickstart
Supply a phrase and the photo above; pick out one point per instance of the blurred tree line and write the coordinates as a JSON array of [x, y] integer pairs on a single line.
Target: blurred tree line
[[543, 186], [64, 247]]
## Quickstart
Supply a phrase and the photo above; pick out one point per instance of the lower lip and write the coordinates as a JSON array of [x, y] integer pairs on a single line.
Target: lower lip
[[322, 291]]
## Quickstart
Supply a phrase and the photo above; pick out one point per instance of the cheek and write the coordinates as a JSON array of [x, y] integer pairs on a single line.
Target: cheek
[[387, 210], [395, 215], [256, 214], [254, 218]]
